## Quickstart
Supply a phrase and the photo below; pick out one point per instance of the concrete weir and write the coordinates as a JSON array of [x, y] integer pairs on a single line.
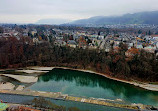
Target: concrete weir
[[59, 96]]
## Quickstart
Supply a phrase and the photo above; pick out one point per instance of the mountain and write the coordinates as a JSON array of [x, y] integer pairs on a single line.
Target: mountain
[[136, 18], [53, 21]]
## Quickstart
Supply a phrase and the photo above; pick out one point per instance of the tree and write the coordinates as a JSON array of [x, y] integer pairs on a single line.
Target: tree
[[43, 103], [1, 29], [149, 33], [73, 109], [139, 31]]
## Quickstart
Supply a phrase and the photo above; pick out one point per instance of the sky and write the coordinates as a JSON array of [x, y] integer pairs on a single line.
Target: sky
[[30, 11]]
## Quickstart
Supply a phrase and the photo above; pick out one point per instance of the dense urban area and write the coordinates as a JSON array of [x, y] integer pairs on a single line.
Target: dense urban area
[[127, 51]]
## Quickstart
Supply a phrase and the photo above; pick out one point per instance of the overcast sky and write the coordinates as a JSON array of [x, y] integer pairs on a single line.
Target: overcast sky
[[30, 11]]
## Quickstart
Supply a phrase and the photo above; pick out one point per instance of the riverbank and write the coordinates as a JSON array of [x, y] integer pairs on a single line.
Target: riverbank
[[73, 73], [21, 78], [42, 70], [143, 85]]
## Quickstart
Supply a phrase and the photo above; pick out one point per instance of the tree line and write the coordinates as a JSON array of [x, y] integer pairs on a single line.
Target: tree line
[[142, 66]]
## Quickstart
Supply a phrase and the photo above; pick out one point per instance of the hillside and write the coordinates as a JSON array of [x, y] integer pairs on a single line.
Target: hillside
[[52, 21], [136, 18]]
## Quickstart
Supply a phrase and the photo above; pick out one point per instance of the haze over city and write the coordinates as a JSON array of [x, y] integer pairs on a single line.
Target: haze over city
[[30, 11]]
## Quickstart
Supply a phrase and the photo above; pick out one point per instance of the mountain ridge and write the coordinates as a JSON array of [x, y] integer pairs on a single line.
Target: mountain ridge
[[52, 21], [135, 18]]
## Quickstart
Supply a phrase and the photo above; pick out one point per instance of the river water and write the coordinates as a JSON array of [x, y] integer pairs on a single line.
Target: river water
[[82, 106], [83, 84]]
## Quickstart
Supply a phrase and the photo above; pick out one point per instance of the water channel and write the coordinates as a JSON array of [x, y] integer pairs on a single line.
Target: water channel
[[83, 84]]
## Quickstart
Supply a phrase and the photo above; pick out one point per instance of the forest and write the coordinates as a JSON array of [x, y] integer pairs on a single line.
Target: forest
[[140, 65]]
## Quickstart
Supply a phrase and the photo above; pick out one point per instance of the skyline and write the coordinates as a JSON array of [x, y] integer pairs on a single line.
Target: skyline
[[28, 11]]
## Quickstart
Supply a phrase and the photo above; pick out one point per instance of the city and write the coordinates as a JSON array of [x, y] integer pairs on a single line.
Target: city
[[82, 55]]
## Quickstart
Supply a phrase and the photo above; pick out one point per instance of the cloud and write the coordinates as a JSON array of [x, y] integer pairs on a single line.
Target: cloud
[[33, 10]]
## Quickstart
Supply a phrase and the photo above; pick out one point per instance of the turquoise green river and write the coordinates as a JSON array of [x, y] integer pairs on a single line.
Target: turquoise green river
[[83, 84]]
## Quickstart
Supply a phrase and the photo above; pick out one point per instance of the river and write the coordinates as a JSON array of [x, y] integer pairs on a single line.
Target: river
[[84, 84]]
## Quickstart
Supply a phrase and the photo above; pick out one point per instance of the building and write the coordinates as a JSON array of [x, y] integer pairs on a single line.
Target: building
[[82, 42], [72, 43], [59, 43]]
